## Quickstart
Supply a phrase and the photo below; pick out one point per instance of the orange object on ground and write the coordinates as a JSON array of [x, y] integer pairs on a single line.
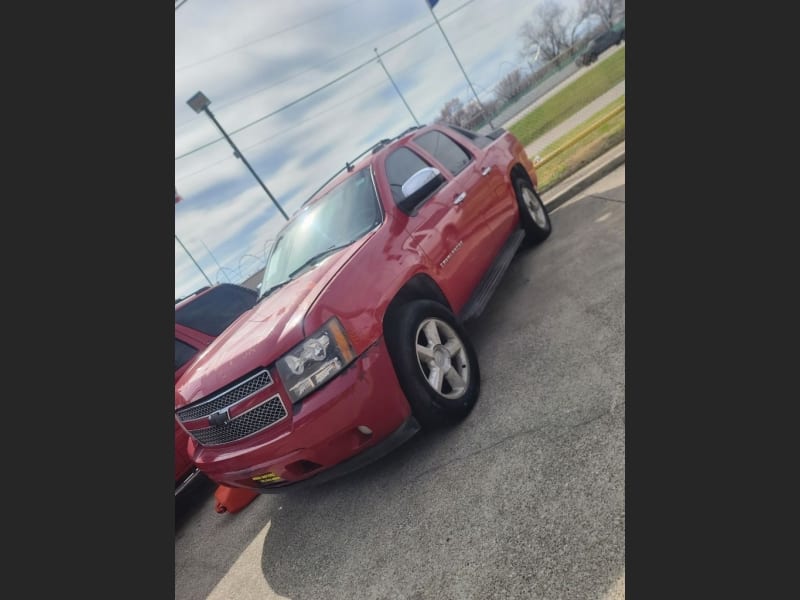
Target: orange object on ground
[[232, 499]]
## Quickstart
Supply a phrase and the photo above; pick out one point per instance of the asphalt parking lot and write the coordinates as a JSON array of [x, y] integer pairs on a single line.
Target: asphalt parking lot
[[524, 499]]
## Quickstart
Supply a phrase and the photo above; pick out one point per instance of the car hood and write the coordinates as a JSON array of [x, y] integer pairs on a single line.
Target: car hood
[[262, 335]]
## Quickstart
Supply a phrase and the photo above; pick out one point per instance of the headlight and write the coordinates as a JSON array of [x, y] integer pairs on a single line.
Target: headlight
[[320, 357]]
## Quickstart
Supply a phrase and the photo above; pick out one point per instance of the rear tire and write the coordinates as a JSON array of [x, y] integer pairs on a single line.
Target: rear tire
[[435, 362], [532, 213]]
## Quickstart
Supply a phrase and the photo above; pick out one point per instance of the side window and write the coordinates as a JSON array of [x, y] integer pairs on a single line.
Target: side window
[[400, 165], [446, 151]]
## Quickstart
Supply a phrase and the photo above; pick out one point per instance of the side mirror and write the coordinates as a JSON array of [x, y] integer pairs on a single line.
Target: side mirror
[[418, 187]]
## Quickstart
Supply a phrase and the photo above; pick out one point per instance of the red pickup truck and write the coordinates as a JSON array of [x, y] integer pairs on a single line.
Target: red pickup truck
[[357, 338]]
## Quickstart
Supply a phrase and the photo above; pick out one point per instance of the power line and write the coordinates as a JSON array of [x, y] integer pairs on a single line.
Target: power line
[[181, 3], [225, 105], [299, 73], [285, 131], [281, 109], [327, 85], [266, 37]]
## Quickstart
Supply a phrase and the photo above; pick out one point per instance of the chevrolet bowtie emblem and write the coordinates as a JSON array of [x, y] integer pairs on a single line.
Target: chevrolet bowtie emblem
[[220, 417]]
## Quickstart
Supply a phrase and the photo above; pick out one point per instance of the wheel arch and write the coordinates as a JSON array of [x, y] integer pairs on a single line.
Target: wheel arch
[[430, 403], [519, 172], [420, 287]]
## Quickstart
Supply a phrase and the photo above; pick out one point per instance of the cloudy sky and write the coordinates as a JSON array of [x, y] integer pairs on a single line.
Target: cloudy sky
[[252, 58]]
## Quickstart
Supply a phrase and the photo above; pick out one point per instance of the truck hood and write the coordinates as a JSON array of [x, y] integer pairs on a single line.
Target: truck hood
[[262, 335]]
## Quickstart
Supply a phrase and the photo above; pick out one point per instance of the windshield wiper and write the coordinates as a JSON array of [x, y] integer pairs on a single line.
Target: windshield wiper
[[317, 258], [272, 289], [311, 261]]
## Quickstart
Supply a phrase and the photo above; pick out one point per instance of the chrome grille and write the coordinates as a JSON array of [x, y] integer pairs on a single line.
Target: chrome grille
[[247, 388], [262, 416]]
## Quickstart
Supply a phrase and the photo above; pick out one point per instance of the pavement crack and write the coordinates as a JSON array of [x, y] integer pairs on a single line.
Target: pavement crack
[[599, 416], [512, 436], [618, 201]]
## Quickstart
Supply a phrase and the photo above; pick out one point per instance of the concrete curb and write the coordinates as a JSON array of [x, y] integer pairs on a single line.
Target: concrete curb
[[578, 182]]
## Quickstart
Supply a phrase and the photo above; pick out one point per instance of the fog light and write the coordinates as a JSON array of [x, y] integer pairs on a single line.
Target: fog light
[[364, 429]]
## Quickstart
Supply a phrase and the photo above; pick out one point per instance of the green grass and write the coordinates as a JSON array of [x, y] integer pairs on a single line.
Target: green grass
[[599, 141], [567, 101]]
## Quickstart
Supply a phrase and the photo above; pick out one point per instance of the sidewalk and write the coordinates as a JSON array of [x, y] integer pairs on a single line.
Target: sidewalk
[[580, 117], [577, 182], [602, 166], [536, 96]]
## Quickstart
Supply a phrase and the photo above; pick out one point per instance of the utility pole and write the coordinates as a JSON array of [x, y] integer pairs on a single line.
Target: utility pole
[[189, 254], [396, 89], [431, 4], [214, 258]]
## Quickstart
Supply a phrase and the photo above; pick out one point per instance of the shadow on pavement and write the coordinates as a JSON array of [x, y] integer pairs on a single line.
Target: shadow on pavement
[[437, 537], [524, 499], [192, 499]]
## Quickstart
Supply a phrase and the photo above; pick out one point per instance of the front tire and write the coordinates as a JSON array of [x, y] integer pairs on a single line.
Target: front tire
[[435, 362], [533, 214]]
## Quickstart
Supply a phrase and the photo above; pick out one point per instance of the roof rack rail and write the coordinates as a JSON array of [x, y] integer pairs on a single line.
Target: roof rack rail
[[386, 141], [350, 164], [409, 130], [380, 144]]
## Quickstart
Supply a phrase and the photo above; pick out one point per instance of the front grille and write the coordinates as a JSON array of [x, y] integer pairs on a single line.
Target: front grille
[[262, 416], [246, 388]]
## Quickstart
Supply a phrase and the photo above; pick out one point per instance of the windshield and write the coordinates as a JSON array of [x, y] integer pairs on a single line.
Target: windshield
[[341, 217]]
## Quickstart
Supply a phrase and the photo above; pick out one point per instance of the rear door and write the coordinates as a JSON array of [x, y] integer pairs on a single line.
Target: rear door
[[449, 227]]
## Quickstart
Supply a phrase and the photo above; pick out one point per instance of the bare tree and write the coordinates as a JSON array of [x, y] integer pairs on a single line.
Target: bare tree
[[608, 11], [510, 85], [452, 112], [552, 30], [472, 115]]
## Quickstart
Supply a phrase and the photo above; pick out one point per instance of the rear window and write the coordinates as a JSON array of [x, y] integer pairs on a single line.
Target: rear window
[[445, 150], [183, 353], [212, 312]]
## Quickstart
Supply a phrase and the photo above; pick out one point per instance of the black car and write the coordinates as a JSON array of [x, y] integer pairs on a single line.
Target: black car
[[599, 44]]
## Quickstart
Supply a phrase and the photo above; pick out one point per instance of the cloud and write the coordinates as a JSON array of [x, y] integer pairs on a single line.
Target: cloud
[[252, 58]]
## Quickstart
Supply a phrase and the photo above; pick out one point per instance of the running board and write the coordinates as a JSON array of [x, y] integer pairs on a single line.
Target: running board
[[487, 286]]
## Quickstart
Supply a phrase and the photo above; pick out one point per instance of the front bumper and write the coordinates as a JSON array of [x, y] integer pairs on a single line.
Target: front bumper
[[321, 439], [397, 438]]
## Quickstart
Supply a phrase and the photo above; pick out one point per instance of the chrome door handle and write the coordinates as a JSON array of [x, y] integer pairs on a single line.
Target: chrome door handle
[[460, 198], [485, 171]]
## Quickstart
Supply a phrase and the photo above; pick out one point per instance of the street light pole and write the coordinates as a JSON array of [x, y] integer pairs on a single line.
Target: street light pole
[[431, 4], [199, 102], [396, 89]]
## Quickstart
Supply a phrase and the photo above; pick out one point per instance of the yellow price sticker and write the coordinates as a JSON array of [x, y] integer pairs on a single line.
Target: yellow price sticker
[[268, 477]]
